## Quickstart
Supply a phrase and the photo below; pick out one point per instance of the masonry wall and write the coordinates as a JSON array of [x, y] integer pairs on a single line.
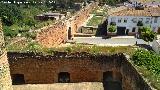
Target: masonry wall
[[40, 69], [82, 67], [5, 79], [131, 78], [57, 34], [53, 35], [79, 19]]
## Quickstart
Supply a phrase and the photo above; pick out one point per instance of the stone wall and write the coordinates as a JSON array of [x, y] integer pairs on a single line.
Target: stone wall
[[45, 69], [53, 35], [131, 77], [5, 79], [82, 67], [58, 33], [81, 16]]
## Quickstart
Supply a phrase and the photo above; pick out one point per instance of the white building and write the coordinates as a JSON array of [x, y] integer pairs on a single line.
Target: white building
[[156, 45], [126, 20]]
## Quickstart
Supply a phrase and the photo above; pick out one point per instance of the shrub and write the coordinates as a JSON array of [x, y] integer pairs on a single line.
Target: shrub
[[112, 28], [147, 59]]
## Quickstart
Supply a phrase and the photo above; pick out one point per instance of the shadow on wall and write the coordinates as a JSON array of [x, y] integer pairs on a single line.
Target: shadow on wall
[[109, 83], [102, 29]]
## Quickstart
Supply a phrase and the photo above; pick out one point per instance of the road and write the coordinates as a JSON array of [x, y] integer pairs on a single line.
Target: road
[[109, 42]]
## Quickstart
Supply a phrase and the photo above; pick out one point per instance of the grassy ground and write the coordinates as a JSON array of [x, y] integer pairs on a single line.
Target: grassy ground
[[101, 10], [95, 20], [153, 79], [99, 14], [26, 46]]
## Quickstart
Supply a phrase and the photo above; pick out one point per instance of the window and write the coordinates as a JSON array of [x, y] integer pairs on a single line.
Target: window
[[119, 20], [17, 79], [125, 20], [63, 77], [113, 19], [147, 20], [155, 19], [134, 20], [133, 29], [140, 19]]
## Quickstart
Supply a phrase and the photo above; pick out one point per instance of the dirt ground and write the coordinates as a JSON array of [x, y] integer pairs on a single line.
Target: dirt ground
[[61, 86]]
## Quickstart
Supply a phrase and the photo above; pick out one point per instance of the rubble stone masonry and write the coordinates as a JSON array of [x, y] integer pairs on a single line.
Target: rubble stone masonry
[[5, 78], [56, 34], [82, 67]]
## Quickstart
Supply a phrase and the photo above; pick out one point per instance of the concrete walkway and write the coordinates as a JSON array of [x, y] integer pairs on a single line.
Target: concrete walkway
[[116, 41]]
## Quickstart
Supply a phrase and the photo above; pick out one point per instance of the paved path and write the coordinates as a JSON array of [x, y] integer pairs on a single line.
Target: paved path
[[109, 42]]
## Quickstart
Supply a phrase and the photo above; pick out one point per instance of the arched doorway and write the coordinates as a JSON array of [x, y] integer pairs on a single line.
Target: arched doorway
[[63, 77]]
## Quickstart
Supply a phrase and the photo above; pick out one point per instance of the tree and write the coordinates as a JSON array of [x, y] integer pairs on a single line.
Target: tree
[[10, 14], [112, 28], [147, 34]]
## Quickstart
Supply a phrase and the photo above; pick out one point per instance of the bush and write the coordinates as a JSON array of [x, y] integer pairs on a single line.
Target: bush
[[10, 14], [112, 28], [147, 59]]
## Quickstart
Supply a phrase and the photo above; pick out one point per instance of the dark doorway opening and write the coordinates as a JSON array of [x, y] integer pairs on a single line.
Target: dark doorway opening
[[127, 31], [107, 76], [69, 33], [17, 79], [63, 77], [121, 31], [109, 83]]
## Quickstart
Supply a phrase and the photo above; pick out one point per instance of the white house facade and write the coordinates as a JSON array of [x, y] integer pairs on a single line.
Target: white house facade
[[156, 46], [126, 20]]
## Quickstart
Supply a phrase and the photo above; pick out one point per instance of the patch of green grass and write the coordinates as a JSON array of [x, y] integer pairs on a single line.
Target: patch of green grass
[[95, 21], [93, 49], [100, 11], [153, 79]]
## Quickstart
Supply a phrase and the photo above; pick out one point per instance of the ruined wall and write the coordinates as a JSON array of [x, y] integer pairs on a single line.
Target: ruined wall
[[53, 35], [5, 79], [40, 69], [58, 33], [82, 67], [81, 16]]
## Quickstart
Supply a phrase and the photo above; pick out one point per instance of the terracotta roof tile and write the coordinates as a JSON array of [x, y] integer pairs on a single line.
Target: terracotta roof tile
[[151, 11]]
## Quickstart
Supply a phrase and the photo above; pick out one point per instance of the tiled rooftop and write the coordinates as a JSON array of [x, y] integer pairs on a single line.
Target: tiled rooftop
[[151, 11]]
